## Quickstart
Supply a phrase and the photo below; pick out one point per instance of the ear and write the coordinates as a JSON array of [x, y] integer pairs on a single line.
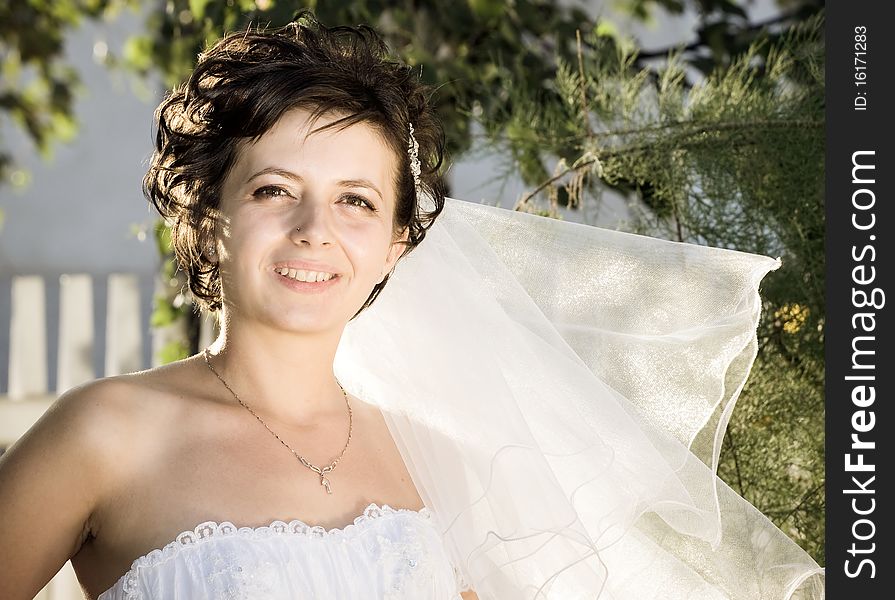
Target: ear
[[395, 251]]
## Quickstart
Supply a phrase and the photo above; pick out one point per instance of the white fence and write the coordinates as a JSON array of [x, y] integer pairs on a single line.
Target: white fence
[[50, 352]]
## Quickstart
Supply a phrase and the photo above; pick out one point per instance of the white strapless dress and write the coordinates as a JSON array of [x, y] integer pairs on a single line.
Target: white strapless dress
[[386, 553]]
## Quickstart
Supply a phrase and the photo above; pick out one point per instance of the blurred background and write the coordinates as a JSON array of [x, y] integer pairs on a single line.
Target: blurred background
[[692, 120]]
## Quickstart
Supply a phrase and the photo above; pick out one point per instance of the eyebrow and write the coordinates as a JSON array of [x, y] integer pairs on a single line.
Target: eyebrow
[[365, 183]]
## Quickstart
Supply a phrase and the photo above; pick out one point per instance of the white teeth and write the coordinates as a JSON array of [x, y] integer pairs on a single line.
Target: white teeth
[[304, 275]]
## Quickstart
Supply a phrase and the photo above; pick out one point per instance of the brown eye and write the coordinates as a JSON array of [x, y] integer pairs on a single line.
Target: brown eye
[[359, 201], [270, 191]]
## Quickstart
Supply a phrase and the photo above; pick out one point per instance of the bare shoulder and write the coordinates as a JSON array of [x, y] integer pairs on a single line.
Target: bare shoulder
[[102, 421], [88, 418], [108, 401], [54, 477], [103, 416]]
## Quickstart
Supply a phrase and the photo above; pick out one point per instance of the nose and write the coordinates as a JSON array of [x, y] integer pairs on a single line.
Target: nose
[[311, 225]]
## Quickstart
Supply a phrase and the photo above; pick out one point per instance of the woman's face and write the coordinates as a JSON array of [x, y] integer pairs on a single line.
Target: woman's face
[[295, 203]]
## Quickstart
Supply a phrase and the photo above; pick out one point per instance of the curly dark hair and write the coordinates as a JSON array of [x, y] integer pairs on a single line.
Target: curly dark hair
[[239, 89]]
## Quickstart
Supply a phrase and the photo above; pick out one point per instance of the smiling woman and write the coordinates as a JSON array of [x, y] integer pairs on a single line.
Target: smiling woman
[[537, 405]]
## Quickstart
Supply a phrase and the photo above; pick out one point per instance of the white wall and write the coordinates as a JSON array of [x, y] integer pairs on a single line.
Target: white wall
[[77, 213]]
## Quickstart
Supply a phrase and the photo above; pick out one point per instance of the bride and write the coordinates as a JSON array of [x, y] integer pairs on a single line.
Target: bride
[[529, 410]]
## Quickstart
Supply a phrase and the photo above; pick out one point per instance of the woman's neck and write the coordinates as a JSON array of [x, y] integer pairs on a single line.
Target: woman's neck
[[285, 377]]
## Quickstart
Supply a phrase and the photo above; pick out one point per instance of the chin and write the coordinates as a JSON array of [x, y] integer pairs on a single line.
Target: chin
[[305, 323], [309, 323]]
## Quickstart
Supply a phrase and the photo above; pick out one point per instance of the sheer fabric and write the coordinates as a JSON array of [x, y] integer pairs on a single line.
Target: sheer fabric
[[385, 554], [559, 393]]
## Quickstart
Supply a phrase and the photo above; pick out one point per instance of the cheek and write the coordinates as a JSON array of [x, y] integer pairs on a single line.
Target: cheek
[[367, 252], [247, 232]]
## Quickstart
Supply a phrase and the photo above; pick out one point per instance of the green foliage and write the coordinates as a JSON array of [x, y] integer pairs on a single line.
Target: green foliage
[[38, 87], [735, 160], [173, 351]]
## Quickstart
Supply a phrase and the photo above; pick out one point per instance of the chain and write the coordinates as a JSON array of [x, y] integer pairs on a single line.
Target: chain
[[324, 481]]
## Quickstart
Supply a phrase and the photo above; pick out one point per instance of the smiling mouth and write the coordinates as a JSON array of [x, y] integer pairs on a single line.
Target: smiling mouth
[[305, 275]]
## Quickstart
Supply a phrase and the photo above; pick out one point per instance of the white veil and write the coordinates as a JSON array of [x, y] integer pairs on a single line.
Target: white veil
[[559, 393]]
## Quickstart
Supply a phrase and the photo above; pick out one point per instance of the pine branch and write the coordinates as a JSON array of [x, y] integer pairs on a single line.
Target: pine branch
[[717, 126], [557, 177], [695, 130], [585, 111]]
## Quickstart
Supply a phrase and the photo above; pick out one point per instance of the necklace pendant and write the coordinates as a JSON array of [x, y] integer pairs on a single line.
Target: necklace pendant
[[325, 483]]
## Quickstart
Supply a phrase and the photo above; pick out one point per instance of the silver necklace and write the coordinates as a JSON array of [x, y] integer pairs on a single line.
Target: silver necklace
[[324, 481]]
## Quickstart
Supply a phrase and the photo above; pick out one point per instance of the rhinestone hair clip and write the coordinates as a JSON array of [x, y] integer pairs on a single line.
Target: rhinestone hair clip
[[413, 149]]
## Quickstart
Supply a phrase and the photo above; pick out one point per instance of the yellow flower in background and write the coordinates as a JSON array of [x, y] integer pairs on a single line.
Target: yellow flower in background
[[793, 316]]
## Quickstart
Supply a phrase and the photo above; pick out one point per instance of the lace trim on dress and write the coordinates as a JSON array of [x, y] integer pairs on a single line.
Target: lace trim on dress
[[212, 529]]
